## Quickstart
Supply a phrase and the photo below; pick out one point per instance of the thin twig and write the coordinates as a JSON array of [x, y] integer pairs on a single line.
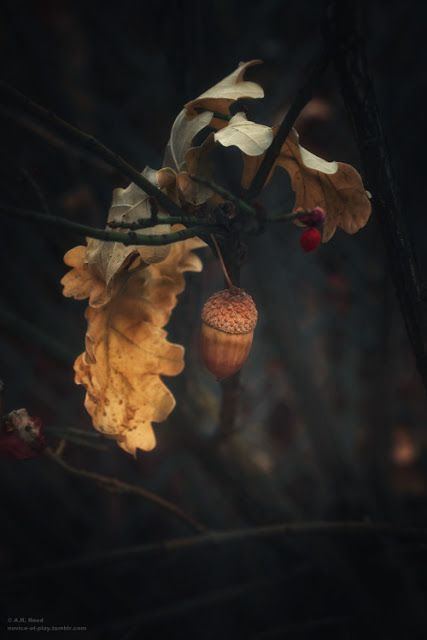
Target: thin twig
[[229, 407], [221, 259], [154, 211], [15, 100], [218, 538], [56, 140], [272, 153], [144, 223], [130, 238], [124, 487], [37, 190], [211, 598], [225, 193], [278, 216], [60, 448], [26, 330], [77, 440], [83, 433], [230, 387]]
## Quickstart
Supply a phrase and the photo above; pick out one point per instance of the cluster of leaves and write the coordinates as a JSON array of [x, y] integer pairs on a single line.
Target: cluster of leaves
[[132, 290]]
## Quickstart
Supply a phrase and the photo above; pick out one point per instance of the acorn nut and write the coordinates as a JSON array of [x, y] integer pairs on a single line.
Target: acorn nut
[[228, 322]]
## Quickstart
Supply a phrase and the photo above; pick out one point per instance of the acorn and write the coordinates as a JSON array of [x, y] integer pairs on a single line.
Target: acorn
[[228, 322]]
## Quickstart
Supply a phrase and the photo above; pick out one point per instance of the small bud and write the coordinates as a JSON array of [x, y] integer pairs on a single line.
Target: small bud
[[310, 239], [229, 209], [312, 218]]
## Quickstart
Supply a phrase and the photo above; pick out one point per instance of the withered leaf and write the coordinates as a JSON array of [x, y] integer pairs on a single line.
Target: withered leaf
[[127, 350], [335, 186], [130, 205], [83, 281], [184, 130], [197, 163], [186, 160], [251, 138], [219, 97]]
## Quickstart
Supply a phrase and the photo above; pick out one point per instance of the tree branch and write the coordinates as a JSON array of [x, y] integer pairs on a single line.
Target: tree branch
[[278, 216], [229, 407], [25, 330], [303, 96], [37, 190], [217, 538], [228, 195], [129, 238], [123, 487], [146, 223], [346, 32], [16, 101], [79, 437]]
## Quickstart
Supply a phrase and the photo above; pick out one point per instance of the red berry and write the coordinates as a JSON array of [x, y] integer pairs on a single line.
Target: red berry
[[310, 239]]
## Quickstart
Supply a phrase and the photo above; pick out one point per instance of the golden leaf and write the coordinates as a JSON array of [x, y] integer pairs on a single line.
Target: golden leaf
[[127, 350], [83, 281], [335, 186]]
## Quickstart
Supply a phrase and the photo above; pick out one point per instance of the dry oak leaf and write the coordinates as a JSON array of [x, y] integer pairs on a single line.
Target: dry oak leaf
[[184, 130], [335, 186], [251, 138], [84, 281], [186, 160], [127, 350], [180, 157], [219, 97], [130, 205], [197, 163]]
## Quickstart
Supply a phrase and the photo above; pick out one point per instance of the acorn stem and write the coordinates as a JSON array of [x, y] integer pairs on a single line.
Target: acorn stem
[[228, 280]]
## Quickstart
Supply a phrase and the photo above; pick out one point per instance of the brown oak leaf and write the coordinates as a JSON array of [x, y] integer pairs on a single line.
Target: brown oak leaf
[[197, 163], [335, 186]]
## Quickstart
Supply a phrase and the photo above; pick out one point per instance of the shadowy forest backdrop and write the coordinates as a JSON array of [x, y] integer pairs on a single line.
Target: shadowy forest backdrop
[[332, 419]]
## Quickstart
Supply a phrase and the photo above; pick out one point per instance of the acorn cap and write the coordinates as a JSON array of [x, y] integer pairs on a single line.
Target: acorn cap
[[231, 310]]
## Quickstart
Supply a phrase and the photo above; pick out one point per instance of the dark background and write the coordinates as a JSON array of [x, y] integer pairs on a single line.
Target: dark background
[[332, 420]]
